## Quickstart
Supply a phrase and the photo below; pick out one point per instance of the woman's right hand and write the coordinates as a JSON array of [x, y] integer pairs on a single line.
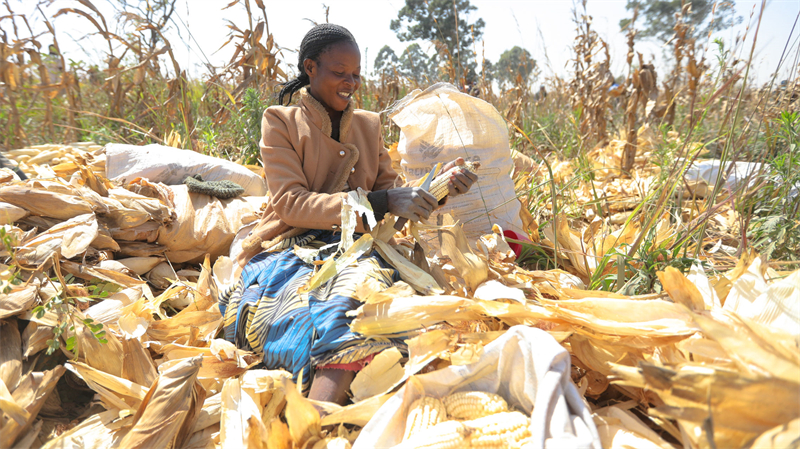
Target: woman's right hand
[[413, 203]]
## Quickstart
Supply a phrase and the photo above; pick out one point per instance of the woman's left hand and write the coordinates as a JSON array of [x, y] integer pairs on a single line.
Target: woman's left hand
[[461, 181]]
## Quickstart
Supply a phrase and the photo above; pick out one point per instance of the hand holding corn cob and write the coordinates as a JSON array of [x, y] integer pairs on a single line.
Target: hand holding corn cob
[[456, 178]]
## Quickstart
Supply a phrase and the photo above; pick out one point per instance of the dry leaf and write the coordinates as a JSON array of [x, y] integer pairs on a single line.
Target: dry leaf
[[333, 266], [412, 274], [10, 354], [406, 314], [650, 318], [10, 213], [453, 244], [382, 374], [169, 410], [96, 432], [237, 410], [680, 289], [17, 300], [61, 202], [302, 417], [32, 392]]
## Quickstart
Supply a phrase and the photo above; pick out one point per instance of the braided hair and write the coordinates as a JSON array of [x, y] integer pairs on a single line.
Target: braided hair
[[316, 42]]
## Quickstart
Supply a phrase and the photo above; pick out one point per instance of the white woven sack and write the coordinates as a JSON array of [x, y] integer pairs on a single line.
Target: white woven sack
[[171, 166], [441, 124]]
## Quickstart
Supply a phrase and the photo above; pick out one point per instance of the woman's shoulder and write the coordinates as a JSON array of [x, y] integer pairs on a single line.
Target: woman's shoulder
[[282, 111], [366, 118]]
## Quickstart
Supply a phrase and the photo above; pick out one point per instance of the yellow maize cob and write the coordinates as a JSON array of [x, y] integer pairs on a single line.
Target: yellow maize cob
[[438, 186], [424, 413], [445, 435], [500, 430], [473, 404]]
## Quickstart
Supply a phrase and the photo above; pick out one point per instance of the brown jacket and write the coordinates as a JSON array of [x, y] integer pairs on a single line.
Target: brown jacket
[[307, 171]]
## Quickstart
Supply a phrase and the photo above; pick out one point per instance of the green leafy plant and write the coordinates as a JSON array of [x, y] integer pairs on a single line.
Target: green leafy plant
[[10, 277], [775, 227], [64, 307]]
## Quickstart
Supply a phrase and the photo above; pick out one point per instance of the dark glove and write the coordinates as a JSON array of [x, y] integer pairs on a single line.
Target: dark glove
[[413, 203], [219, 189]]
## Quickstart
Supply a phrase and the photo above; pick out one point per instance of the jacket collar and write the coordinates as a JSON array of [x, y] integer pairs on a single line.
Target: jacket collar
[[316, 111]]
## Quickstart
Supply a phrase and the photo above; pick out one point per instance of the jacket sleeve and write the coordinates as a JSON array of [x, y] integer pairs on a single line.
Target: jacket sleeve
[[291, 198]]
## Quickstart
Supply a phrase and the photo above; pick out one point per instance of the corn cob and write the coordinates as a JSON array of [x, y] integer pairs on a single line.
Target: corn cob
[[424, 413], [499, 430], [438, 186], [445, 435], [473, 404]]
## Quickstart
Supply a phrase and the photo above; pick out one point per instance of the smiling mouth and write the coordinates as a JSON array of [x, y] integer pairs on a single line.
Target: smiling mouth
[[345, 95]]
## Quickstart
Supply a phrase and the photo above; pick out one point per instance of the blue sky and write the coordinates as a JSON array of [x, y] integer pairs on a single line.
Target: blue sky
[[541, 27]]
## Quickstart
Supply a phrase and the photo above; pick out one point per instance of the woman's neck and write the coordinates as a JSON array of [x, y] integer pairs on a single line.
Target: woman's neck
[[333, 114]]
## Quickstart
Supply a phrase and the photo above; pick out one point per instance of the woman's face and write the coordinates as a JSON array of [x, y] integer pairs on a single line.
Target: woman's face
[[337, 75]]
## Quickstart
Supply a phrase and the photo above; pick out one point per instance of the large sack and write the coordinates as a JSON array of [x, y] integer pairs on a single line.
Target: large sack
[[204, 224], [441, 124], [171, 166], [527, 367]]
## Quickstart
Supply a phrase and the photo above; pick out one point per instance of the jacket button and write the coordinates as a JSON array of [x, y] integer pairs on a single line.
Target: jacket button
[[341, 153], [353, 170]]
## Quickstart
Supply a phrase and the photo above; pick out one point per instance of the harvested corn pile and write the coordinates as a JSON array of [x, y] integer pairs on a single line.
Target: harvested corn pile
[[107, 341]]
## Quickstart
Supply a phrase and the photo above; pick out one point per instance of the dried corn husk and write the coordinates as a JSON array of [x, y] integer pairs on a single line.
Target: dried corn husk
[[412, 274], [32, 391], [137, 366], [145, 232], [140, 265], [619, 428], [67, 239], [168, 412], [10, 213], [162, 276], [114, 390], [302, 417], [63, 203], [382, 374], [471, 268], [101, 431], [34, 338], [654, 318], [18, 300], [236, 426], [333, 266], [735, 402], [407, 314]]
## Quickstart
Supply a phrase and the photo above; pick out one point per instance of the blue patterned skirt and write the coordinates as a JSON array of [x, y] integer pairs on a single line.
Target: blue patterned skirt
[[264, 313]]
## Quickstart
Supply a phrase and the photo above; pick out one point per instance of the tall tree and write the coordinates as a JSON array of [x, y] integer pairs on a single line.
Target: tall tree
[[515, 66], [659, 17], [445, 22], [415, 64], [386, 62]]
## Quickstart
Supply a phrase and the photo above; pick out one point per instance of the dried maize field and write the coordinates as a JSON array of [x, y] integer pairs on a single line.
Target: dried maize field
[[110, 343], [666, 287]]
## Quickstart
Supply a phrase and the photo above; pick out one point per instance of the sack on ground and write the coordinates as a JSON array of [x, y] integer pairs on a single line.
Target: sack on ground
[[527, 367], [441, 124], [168, 165], [205, 224]]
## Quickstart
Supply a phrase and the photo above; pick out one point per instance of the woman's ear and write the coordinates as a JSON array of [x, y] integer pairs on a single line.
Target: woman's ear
[[310, 66]]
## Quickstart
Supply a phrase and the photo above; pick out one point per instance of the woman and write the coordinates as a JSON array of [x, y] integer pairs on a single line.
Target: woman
[[313, 153]]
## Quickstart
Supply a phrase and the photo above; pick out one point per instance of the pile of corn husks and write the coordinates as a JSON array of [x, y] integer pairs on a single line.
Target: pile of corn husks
[[712, 362]]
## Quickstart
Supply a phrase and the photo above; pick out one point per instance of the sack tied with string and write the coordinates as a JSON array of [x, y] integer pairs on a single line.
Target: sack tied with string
[[440, 124]]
